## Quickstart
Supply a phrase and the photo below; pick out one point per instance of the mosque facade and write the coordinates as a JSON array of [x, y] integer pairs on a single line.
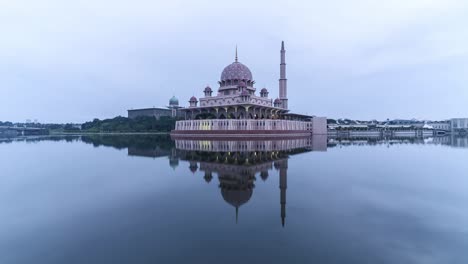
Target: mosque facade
[[237, 109]]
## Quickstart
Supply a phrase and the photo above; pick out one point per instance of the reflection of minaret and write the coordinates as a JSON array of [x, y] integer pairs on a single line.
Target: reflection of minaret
[[173, 159], [283, 184], [283, 89]]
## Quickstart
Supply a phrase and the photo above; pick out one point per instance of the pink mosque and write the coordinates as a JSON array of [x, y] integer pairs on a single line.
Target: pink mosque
[[237, 111]]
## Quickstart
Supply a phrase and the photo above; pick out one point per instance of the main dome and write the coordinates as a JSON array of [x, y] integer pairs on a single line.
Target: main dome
[[236, 71]]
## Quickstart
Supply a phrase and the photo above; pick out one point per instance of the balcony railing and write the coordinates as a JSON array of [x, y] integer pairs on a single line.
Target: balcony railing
[[246, 124]]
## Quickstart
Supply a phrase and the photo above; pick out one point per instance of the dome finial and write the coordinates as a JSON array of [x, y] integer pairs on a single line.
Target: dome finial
[[236, 53]]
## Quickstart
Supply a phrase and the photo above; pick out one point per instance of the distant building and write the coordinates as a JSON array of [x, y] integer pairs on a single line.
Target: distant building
[[459, 125], [442, 126], [173, 110]]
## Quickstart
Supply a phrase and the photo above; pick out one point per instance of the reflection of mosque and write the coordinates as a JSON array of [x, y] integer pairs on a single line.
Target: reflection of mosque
[[315, 143], [237, 172], [236, 164]]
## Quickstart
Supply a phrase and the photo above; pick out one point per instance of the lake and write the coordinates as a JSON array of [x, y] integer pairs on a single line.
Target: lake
[[148, 199]]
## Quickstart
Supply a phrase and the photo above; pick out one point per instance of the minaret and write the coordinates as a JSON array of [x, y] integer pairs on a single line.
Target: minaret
[[283, 89]]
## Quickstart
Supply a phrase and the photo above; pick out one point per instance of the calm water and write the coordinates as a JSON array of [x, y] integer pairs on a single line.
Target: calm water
[[147, 199]]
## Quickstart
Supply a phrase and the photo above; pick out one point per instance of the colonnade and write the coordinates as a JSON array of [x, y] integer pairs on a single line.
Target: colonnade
[[243, 146], [234, 112], [243, 124]]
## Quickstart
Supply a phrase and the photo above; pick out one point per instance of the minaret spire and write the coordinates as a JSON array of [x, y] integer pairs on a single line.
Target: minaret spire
[[236, 53], [283, 89]]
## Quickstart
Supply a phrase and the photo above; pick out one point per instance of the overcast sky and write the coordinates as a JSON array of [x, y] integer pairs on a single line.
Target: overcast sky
[[72, 61]]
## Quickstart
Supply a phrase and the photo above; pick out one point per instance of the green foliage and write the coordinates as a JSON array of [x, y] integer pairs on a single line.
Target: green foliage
[[6, 123], [123, 124], [70, 128], [52, 126]]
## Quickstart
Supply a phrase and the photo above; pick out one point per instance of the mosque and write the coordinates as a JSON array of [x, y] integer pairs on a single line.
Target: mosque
[[236, 109], [236, 98]]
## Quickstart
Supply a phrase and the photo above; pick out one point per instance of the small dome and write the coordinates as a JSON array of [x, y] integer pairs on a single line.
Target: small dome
[[277, 101], [173, 101], [264, 90], [193, 99], [236, 71], [208, 89]]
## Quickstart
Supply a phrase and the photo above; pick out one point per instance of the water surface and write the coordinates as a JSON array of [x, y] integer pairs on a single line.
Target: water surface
[[148, 199]]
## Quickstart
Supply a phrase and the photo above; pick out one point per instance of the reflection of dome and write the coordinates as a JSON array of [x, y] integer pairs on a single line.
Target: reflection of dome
[[277, 165], [236, 191], [174, 101], [174, 163], [193, 167], [236, 198], [208, 176], [236, 71]]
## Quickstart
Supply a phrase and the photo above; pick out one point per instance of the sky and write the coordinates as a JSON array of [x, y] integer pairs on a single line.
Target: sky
[[72, 61]]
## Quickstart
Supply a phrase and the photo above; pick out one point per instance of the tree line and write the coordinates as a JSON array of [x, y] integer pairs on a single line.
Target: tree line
[[116, 124], [124, 124]]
